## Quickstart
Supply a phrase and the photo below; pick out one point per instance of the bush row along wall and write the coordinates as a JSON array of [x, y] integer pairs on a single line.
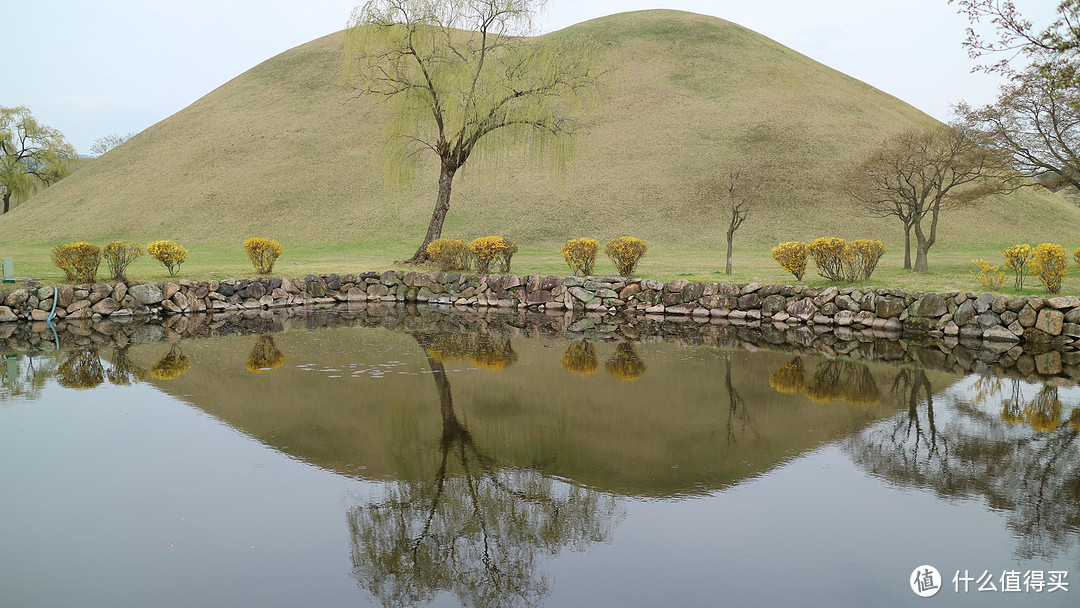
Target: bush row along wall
[[1008, 319], [1035, 362]]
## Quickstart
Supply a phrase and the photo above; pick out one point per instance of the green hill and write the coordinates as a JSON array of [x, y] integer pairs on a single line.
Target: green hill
[[282, 151]]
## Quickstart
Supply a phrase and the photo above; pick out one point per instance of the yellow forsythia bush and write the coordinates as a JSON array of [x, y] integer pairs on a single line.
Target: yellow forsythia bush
[[504, 258], [449, 254], [860, 257], [168, 253], [1050, 263], [118, 255], [625, 252], [1076, 256], [263, 253], [828, 255], [792, 257], [990, 277], [1016, 257], [485, 249], [79, 261], [580, 255]]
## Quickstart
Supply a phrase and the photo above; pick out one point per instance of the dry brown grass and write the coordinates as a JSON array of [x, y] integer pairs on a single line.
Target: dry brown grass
[[281, 152]]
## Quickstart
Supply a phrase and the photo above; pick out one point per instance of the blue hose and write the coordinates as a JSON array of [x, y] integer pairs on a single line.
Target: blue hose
[[52, 313]]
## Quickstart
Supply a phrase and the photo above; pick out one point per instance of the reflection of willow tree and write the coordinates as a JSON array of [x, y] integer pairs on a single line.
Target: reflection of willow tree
[[485, 351], [124, 371], [174, 363], [475, 530], [1030, 472], [264, 355], [840, 380], [82, 369], [624, 363], [580, 358]]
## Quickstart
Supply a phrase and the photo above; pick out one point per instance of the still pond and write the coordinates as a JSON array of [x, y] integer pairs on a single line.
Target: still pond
[[469, 462]]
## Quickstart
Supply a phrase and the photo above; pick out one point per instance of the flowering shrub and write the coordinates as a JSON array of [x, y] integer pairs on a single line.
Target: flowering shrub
[[792, 257], [449, 254], [79, 261], [168, 253], [828, 255], [504, 258], [118, 255], [990, 277], [1016, 257], [264, 356], [625, 252], [860, 258], [1049, 263], [580, 255], [485, 249], [262, 253]]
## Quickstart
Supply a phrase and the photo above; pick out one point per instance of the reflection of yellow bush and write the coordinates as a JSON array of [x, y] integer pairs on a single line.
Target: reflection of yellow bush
[[1074, 419], [843, 381], [81, 370], [1044, 412], [624, 363], [1012, 412], [580, 358], [173, 364], [449, 346], [790, 378], [492, 353], [264, 356]]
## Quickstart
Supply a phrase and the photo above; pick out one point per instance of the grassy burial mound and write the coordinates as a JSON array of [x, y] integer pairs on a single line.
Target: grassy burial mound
[[284, 151]]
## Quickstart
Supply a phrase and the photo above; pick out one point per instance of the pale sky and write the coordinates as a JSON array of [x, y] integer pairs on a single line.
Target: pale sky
[[98, 67]]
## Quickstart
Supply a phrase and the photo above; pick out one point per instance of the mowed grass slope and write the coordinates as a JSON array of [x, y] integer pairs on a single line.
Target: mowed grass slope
[[284, 151]]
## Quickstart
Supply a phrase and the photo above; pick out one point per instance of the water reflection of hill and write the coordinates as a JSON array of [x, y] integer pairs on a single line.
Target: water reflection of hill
[[361, 401]]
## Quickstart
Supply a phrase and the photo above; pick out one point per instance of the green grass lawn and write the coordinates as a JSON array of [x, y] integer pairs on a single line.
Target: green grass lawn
[[950, 267]]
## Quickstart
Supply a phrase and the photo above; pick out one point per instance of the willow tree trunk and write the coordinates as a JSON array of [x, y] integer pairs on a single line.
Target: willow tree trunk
[[442, 205], [7, 200]]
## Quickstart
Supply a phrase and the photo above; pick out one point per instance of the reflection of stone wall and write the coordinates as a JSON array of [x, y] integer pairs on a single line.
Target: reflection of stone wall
[[1006, 319], [1036, 362]]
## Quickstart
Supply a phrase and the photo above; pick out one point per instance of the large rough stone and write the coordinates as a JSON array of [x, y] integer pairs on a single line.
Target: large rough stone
[[106, 306], [6, 315], [692, 291], [16, 297], [931, 305], [146, 294], [581, 294], [803, 309], [998, 333], [1027, 316], [540, 296], [984, 303], [752, 301], [1050, 321], [846, 302], [890, 308], [257, 289], [988, 320], [1061, 302], [964, 313], [773, 304]]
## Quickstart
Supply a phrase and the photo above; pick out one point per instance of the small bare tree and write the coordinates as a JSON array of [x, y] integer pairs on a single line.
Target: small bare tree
[[733, 195]]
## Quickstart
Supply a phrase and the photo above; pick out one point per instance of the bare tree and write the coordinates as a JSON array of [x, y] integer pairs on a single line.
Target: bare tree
[[105, 143], [917, 173], [735, 197]]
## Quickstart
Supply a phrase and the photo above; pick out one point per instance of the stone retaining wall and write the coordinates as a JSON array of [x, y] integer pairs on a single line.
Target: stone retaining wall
[[1008, 319]]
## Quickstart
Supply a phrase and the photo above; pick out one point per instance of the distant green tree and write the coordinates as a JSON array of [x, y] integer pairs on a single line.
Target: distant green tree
[[458, 72], [31, 153]]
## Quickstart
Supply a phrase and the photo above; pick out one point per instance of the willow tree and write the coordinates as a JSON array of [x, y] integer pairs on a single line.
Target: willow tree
[[458, 73], [31, 154]]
